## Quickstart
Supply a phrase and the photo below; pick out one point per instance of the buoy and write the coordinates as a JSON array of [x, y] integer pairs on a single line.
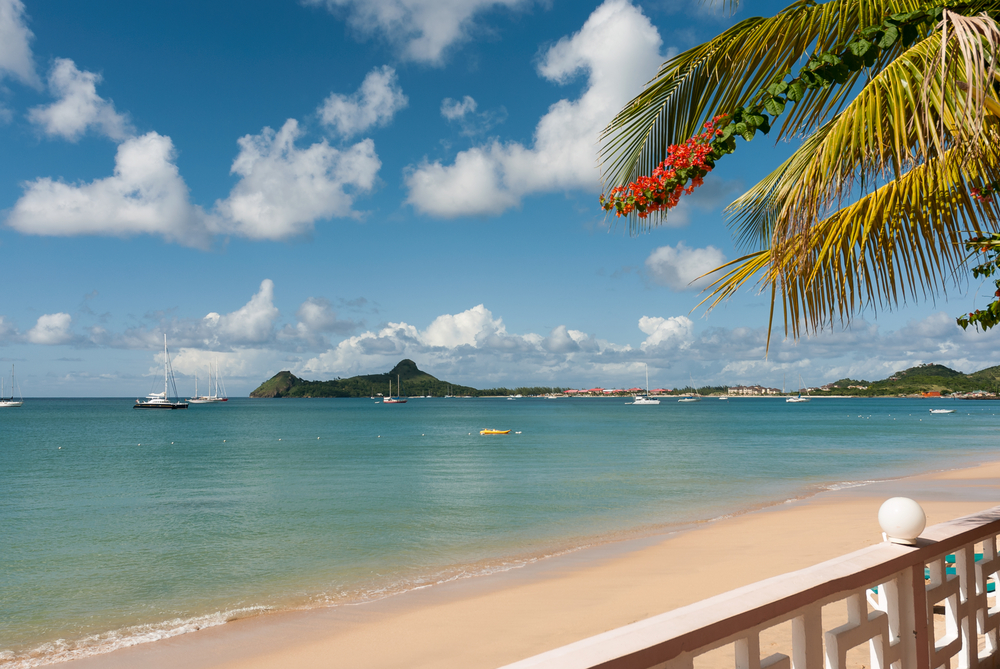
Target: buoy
[[380, 436], [140, 444], [317, 437], [60, 448], [279, 440], [223, 441]]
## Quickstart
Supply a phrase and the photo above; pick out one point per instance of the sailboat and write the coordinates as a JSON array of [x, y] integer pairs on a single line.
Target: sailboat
[[5, 401], [393, 400], [213, 396], [159, 400], [644, 399], [692, 397], [798, 398]]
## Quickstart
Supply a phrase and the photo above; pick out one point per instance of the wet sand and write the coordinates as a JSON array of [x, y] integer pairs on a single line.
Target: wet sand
[[492, 620]]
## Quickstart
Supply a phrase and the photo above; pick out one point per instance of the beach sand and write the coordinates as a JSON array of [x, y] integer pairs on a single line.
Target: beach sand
[[492, 620]]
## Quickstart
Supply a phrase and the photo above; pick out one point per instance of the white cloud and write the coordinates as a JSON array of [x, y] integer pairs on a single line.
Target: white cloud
[[375, 103], [680, 267], [456, 109], [465, 328], [284, 189], [666, 333], [15, 50], [52, 329], [619, 49], [146, 194], [79, 107], [253, 323], [425, 28]]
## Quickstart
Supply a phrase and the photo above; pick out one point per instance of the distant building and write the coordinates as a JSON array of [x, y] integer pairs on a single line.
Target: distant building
[[931, 393], [753, 391]]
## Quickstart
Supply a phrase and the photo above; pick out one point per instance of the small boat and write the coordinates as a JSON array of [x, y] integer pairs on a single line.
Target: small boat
[[489, 431], [390, 399], [159, 400], [10, 402], [942, 411], [689, 399], [724, 397], [798, 399], [645, 399]]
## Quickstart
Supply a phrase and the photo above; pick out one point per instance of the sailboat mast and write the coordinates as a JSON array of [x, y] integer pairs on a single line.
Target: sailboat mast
[[164, 365]]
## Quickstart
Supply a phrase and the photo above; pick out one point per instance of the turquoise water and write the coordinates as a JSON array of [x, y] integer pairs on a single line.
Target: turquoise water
[[118, 526]]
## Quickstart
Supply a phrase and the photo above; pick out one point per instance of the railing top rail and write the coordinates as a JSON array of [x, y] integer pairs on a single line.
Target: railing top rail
[[648, 642]]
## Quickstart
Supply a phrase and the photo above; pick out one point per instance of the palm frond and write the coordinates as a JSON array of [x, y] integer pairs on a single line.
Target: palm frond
[[724, 73], [909, 112], [901, 242]]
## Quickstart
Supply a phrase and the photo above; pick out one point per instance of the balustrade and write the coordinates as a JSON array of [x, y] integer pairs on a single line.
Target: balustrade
[[908, 604]]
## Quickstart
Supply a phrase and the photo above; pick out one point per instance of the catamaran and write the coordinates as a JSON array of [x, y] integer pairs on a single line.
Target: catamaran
[[7, 402], [159, 400], [645, 399]]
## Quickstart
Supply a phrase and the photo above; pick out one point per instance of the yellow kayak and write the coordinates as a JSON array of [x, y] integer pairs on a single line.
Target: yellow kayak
[[494, 432]]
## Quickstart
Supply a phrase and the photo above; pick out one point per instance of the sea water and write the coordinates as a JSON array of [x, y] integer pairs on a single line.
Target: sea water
[[120, 526]]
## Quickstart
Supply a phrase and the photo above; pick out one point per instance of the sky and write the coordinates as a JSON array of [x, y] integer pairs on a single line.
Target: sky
[[331, 186]]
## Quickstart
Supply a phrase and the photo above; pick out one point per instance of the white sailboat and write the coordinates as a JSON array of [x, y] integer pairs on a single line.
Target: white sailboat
[[645, 399], [390, 399], [159, 400], [213, 395], [693, 397], [10, 402], [798, 399]]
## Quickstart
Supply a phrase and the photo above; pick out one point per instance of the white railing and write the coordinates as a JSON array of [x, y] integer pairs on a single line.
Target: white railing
[[917, 607]]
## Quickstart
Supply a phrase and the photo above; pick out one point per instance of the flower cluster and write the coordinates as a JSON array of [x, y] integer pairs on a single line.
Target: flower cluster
[[988, 246], [682, 171], [984, 194]]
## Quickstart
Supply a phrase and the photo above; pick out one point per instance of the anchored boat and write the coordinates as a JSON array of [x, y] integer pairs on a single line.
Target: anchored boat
[[159, 400]]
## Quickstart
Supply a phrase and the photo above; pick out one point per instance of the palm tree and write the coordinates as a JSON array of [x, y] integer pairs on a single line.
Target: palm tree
[[898, 112]]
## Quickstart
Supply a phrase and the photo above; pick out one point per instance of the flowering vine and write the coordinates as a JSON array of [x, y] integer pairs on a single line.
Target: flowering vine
[[685, 163], [692, 160]]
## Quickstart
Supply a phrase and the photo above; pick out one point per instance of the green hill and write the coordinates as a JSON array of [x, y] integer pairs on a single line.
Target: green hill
[[923, 378], [414, 382]]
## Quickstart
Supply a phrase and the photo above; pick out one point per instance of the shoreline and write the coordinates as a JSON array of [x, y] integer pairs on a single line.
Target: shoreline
[[490, 620]]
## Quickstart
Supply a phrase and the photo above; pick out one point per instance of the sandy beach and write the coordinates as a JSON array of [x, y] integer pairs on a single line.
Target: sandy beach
[[493, 620]]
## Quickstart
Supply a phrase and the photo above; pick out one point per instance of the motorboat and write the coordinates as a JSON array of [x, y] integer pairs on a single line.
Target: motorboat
[[159, 400], [689, 399], [942, 411]]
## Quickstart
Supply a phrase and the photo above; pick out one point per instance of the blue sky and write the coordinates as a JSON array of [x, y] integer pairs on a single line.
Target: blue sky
[[329, 186]]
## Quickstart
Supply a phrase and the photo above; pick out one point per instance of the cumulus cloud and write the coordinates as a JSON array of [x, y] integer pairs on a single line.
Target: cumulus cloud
[[680, 267], [146, 194], [285, 189], [78, 107], [253, 323], [619, 49], [375, 103], [424, 28], [15, 44], [666, 333], [456, 109], [52, 329]]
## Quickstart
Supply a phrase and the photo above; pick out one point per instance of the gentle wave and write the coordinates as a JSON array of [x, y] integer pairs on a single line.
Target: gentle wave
[[62, 650]]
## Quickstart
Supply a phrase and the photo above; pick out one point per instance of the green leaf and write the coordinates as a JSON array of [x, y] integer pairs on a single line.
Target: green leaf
[[889, 37], [775, 106], [859, 47], [910, 34], [796, 90], [777, 88]]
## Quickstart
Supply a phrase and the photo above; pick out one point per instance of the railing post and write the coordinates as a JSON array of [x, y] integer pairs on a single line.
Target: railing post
[[807, 640]]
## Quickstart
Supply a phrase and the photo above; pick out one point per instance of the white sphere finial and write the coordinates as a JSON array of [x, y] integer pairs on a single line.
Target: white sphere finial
[[902, 520]]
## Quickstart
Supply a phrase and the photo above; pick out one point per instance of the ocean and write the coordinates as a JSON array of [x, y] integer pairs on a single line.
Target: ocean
[[120, 526]]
